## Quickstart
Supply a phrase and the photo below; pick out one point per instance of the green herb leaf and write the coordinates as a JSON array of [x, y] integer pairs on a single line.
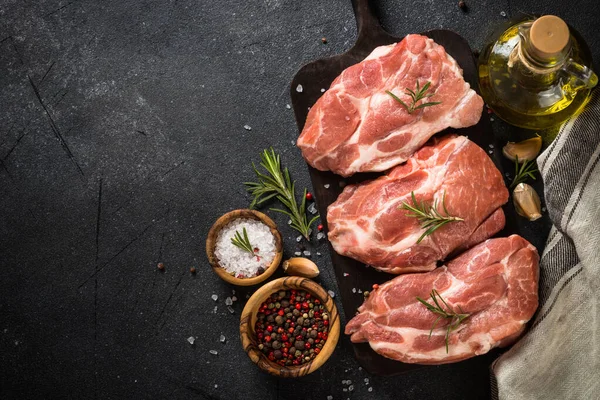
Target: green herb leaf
[[277, 183], [243, 242], [416, 95], [429, 216], [523, 171], [456, 318]]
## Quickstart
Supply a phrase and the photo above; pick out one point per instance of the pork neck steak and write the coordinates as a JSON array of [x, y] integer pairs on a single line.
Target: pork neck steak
[[367, 222], [356, 126], [496, 283]]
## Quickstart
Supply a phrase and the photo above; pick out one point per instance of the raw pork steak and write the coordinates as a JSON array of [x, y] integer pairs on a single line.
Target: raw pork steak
[[367, 222], [495, 282], [356, 126]]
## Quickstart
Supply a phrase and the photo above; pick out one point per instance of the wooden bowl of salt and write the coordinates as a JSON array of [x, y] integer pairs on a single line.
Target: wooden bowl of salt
[[239, 267]]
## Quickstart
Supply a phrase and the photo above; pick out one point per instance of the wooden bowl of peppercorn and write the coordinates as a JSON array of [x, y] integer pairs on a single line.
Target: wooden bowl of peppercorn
[[299, 317], [211, 242]]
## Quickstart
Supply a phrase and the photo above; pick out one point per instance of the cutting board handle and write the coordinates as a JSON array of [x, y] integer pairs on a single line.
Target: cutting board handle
[[368, 26]]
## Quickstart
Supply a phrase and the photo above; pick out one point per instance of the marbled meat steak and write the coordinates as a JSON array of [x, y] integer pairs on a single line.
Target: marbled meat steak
[[367, 221], [356, 126], [496, 283]]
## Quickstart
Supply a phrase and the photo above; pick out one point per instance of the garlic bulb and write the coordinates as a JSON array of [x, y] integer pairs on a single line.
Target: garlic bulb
[[527, 202], [300, 266], [526, 150]]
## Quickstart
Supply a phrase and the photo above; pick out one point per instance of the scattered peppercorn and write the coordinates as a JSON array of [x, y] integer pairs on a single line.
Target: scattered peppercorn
[[320, 227], [324, 40], [193, 270], [291, 327], [161, 266], [462, 5], [309, 196]]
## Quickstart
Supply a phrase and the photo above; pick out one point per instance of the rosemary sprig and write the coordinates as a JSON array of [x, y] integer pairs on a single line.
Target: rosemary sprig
[[455, 318], [523, 171], [277, 183], [242, 241], [431, 219], [416, 95]]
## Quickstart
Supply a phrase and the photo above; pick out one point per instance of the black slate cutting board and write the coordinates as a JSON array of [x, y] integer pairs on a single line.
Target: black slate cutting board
[[351, 274]]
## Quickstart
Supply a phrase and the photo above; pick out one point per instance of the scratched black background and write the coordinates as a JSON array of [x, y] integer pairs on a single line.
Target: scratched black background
[[121, 141]]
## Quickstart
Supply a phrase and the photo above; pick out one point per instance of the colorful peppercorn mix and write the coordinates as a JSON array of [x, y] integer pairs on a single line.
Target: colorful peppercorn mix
[[292, 327]]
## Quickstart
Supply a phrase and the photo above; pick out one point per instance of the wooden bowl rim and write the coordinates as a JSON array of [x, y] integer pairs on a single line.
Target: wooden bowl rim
[[211, 242], [249, 316]]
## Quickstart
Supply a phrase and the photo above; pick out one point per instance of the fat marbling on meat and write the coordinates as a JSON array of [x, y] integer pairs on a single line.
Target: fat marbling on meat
[[495, 282], [356, 126], [367, 221]]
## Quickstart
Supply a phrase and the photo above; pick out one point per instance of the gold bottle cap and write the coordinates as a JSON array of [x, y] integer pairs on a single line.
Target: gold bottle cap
[[549, 36]]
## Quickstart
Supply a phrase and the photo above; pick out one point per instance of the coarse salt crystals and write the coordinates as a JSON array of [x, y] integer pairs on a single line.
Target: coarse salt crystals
[[241, 263]]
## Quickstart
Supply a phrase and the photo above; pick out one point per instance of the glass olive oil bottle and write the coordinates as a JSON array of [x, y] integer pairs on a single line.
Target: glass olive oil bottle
[[537, 73]]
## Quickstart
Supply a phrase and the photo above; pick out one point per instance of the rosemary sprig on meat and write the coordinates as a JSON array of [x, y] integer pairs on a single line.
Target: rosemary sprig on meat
[[456, 318], [416, 95], [243, 242], [277, 184], [523, 171], [429, 216]]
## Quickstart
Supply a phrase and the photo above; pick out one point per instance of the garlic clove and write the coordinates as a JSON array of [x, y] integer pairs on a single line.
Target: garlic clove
[[300, 266], [526, 150], [527, 202]]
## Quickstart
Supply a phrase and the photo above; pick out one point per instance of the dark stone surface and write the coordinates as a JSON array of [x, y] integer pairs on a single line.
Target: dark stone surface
[[121, 141]]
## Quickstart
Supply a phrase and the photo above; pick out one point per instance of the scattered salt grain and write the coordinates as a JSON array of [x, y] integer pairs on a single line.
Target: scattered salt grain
[[216, 386], [231, 310], [306, 253], [228, 301], [247, 127], [297, 254], [289, 221], [350, 388], [233, 291], [329, 397], [299, 88], [366, 381], [370, 389], [332, 294], [319, 254], [492, 119], [298, 239], [349, 382], [326, 186], [312, 208], [543, 209], [213, 352], [234, 298], [503, 14], [344, 382], [346, 274], [359, 291], [353, 290], [215, 310], [222, 339], [191, 339], [320, 236], [214, 297], [491, 151], [345, 389], [360, 368], [491, 146], [239, 262], [288, 106], [322, 90]]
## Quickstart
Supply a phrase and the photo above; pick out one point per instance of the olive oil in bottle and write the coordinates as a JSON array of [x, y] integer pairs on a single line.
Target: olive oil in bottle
[[536, 74]]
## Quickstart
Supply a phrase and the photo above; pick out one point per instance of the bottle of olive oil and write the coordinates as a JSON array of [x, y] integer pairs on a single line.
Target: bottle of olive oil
[[537, 73]]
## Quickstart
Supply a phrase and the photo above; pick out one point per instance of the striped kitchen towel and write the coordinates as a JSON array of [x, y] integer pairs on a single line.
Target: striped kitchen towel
[[559, 357]]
